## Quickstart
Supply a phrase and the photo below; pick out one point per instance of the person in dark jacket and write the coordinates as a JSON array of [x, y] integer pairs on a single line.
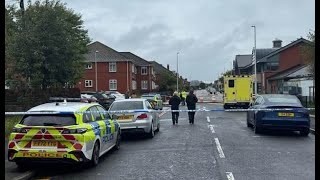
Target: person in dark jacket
[[191, 101], [175, 102]]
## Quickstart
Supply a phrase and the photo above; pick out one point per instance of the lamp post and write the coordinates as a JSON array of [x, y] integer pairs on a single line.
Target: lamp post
[[255, 62], [177, 72], [96, 71]]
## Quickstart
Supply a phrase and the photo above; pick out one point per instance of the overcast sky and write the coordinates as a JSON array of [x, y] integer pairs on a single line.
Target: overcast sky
[[207, 33]]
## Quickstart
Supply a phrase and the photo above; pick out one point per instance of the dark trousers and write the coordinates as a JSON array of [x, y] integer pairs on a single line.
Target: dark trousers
[[191, 116], [183, 102], [175, 116]]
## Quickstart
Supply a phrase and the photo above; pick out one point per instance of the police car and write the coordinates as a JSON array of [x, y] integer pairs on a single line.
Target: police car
[[73, 132]]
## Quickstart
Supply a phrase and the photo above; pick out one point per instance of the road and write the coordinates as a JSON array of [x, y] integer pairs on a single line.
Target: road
[[218, 146]]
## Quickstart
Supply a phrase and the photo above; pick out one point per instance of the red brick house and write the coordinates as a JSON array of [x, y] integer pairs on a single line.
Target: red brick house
[[114, 71], [276, 60], [143, 79]]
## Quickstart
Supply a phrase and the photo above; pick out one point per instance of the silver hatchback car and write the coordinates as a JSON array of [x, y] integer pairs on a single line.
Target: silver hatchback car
[[147, 122]]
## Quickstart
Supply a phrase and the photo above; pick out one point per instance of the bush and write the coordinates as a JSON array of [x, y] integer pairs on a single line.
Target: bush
[[10, 122]]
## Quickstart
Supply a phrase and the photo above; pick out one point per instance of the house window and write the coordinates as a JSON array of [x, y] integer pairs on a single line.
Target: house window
[[112, 67], [144, 71], [112, 84], [144, 85], [89, 66], [154, 86], [88, 83], [134, 85], [272, 66], [133, 68]]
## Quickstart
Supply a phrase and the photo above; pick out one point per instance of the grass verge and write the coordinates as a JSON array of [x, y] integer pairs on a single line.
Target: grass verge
[[10, 122]]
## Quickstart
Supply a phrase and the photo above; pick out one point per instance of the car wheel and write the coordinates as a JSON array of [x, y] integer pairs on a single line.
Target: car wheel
[[158, 127], [95, 154], [305, 132], [248, 123], [256, 129], [117, 146], [21, 166], [151, 132]]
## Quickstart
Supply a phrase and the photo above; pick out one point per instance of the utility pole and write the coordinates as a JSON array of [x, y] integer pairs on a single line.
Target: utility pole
[[255, 63], [96, 72], [177, 71]]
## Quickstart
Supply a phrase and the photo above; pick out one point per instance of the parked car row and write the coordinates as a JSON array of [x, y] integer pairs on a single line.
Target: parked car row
[[77, 132]]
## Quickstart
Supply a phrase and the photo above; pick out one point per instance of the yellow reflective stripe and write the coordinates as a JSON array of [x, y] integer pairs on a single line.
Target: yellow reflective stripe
[[113, 128]]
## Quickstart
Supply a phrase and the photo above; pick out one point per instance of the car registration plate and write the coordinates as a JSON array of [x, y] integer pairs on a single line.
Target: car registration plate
[[44, 144], [125, 117], [284, 114]]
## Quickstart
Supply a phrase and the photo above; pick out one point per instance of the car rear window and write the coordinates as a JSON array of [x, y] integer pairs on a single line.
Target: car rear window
[[148, 97], [284, 100], [126, 105], [48, 120]]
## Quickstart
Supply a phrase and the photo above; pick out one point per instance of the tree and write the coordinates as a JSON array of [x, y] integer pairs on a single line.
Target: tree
[[10, 29], [50, 44], [167, 82], [202, 85], [309, 52]]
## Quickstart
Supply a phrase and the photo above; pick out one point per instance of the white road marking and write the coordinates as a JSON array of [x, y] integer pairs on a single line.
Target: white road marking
[[208, 119], [211, 128], [256, 136], [221, 154], [230, 176]]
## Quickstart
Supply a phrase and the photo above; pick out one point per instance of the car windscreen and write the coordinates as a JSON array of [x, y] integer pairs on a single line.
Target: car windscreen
[[283, 100], [126, 105], [48, 120], [148, 97]]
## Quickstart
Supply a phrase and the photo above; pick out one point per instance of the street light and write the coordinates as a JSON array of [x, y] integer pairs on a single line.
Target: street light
[[255, 62], [177, 72], [96, 71]]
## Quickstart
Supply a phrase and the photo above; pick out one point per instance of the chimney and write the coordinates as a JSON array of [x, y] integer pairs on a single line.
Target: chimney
[[168, 66], [277, 43]]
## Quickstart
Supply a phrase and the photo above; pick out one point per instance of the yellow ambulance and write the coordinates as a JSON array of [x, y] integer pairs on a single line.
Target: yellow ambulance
[[238, 91]]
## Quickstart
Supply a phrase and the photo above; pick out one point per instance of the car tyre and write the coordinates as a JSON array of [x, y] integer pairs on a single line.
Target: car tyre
[[151, 132], [117, 145], [95, 155], [249, 124], [21, 166], [158, 127], [256, 129], [305, 132]]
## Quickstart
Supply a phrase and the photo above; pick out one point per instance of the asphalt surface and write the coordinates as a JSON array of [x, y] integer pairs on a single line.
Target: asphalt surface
[[218, 146]]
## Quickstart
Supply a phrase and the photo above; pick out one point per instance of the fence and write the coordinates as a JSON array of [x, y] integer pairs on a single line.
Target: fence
[[24, 99], [307, 101]]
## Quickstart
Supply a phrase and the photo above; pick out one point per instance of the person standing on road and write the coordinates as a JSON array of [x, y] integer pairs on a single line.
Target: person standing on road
[[184, 96], [175, 102], [191, 101], [182, 99]]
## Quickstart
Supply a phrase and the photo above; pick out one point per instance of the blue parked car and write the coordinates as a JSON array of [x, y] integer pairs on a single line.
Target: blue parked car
[[296, 119]]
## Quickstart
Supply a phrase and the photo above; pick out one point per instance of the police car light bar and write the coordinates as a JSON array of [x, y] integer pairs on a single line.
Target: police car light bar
[[62, 99]]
